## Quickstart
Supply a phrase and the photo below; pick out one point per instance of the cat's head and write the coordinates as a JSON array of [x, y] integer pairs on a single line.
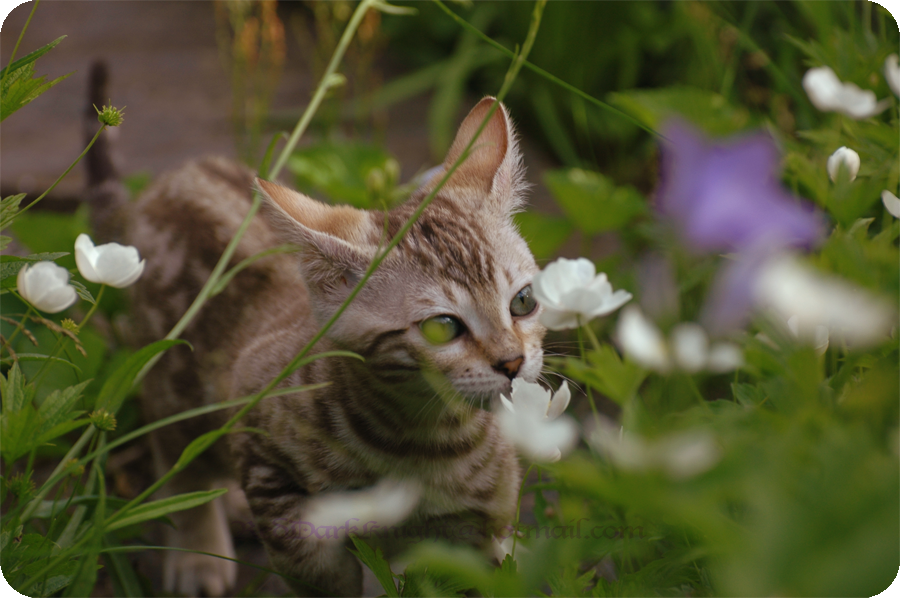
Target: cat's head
[[454, 297]]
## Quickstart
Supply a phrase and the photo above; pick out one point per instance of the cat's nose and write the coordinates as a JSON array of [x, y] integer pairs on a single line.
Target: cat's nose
[[510, 368]]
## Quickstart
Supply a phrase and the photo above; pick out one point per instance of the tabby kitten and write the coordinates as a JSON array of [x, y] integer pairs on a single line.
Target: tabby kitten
[[448, 314]]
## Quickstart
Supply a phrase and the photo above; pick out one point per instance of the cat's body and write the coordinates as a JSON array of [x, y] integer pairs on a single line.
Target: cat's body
[[386, 417]]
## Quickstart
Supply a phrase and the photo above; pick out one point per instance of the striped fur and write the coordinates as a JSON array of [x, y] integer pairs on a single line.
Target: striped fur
[[411, 410]]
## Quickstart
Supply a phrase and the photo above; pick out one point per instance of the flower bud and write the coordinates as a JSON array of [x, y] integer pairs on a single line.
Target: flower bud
[[46, 286], [891, 203], [112, 264], [845, 156]]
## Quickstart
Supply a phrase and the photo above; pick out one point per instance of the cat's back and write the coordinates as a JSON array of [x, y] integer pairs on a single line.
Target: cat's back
[[182, 224]]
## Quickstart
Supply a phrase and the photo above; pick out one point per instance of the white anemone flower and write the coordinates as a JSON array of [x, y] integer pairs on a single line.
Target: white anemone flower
[[846, 157], [45, 285], [830, 94], [534, 423], [792, 290], [892, 73], [387, 503], [891, 203], [571, 294], [688, 347], [112, 264]]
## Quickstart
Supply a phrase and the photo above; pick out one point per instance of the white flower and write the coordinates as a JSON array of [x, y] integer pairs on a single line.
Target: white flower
[[830, 94], [681, 455], [819, 338], [891, 203], [501, 548], [569, 291], [847, 157], [688, 347], [642, 341], [387, 503], [792, 290], [534, 423], [892, 73], [111, 264], [46, 286]]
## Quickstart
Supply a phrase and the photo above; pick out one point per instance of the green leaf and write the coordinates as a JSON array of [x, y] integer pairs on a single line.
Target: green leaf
[[592, 202], [18, 430], [160, 508], [340, 171], [197, 446], [544, 234], [9, 207], [29, 58], [18, 88], [82, 291], [374, 560], [119, 384], [12, 387], [607, 372], [57, 406], [706, 109]]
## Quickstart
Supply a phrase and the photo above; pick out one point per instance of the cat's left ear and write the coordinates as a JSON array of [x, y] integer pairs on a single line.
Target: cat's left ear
[[494, 165]]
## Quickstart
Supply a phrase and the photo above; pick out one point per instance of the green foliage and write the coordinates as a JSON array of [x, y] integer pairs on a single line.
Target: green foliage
[[17, 85], [359, 174]]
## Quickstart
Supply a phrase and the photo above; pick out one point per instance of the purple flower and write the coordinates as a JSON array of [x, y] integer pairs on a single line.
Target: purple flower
[[727, 197]]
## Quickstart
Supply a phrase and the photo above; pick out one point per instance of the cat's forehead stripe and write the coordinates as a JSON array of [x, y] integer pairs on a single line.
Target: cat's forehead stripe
[[446, 242]]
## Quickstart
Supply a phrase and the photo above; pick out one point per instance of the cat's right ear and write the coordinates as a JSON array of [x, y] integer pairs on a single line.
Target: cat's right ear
[[334, 238]]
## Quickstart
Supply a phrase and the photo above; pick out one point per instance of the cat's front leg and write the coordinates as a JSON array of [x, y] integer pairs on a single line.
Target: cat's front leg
[[312, 565]]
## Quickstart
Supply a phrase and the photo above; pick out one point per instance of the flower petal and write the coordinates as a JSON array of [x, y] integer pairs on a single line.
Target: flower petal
[[690, 346], [891, 203], [85, 258], [642, 341], [560, 401]]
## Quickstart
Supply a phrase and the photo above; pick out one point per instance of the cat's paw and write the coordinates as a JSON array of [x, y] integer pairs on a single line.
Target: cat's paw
[[192, 574]]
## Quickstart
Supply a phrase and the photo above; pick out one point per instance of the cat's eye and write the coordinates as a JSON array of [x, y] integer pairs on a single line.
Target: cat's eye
[[441, 329], [523, 303]]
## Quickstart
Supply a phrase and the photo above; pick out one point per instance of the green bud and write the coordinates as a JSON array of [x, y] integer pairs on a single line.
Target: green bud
[[70, 325], [103, 420], [110, 116]]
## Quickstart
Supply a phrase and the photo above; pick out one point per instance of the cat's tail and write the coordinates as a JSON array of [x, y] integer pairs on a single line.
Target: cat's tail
[[105, 192]]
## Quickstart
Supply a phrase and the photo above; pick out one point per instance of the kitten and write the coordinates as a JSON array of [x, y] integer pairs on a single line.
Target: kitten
[[460, 277]]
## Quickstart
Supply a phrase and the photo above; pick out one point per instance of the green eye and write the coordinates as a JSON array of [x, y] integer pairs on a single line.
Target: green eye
[[523, 303], [441, 329]]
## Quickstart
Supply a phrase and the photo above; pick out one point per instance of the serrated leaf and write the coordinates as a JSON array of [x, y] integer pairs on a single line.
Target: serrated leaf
[[18, 430], [15, 394], [57, 406], [18, 88], [160, 508], [9, 207], [31, 57], [119, 384], [82, 291]]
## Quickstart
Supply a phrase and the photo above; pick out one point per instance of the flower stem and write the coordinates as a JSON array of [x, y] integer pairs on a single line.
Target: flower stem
[[63, 175], [518, 509], [91, 311], [590, 395]]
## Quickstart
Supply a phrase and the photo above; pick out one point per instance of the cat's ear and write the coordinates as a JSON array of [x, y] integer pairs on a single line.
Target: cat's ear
[[335, 244], [494, 165]]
